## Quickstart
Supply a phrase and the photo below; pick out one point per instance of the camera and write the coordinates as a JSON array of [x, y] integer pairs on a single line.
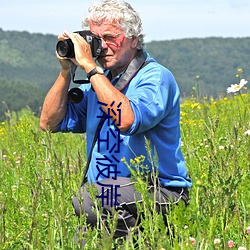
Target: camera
[[65, 48]]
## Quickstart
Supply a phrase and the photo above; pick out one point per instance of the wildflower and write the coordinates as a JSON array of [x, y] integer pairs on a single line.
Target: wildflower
[[247, 133], [192, 240], [132, 162], [248, 230], [242, 248], [198, 182], [195, 106], [237, 87], [14, 188], [45, 216], [240, 70], [221, 147], [216, 241], [138, 160], [230, 244]]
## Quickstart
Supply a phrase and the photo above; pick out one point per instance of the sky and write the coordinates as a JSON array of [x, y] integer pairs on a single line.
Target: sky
[[162, 19]]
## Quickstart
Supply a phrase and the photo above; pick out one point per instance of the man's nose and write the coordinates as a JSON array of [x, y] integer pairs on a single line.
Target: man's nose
[[104, 44]]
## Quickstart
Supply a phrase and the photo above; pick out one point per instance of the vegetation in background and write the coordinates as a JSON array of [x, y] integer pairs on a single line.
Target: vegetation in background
[[28, 66], [40, 172], [207, 62]]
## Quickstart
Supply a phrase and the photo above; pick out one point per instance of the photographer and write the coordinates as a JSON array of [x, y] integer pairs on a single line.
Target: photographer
[[149, 108]]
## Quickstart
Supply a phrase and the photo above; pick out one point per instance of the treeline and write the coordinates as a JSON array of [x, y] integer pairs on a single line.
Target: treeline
[[210, 64], [28, 67], [204, 67], [16, 95]]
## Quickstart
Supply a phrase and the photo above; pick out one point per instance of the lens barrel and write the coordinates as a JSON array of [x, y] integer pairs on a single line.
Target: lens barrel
[[75, 95], [65, 48]]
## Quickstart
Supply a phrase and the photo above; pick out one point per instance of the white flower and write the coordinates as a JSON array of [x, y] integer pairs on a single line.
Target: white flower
[[192, 240], [237, 87], [22, 210], [246, 133], [242, 248], [217, 241]]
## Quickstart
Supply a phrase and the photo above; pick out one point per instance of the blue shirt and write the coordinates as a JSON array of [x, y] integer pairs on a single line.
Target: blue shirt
[[154, 97]]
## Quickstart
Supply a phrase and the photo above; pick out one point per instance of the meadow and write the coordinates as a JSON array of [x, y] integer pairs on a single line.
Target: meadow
[[40, 172]]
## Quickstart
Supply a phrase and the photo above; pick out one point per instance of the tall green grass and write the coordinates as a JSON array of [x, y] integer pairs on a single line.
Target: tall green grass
[[40, 172]]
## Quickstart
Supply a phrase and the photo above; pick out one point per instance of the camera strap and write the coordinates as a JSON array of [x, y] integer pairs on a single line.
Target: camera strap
[[126, 77], [136, 64]]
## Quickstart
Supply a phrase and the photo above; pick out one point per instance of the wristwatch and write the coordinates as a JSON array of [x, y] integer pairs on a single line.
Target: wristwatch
[[96, 70]]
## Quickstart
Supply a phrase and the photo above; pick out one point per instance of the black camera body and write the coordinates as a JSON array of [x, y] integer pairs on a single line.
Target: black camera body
[[65, 48]]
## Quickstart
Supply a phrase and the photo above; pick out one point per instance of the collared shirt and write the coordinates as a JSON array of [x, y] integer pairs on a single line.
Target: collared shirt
[[154, 97]]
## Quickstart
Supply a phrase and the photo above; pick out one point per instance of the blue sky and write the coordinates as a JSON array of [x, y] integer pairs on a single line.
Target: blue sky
[[162, 19]]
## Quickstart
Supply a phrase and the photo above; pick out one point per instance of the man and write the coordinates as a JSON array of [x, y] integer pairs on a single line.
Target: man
[[145, 95]]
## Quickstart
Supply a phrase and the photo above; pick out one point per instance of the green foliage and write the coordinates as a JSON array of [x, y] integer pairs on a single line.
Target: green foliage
[[28, 68], [40, 172], [14, 95], [202, 67], [37, 181], [28, 58], [208, 62]]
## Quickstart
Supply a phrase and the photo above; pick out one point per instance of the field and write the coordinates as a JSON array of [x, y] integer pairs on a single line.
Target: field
[[40, 172]]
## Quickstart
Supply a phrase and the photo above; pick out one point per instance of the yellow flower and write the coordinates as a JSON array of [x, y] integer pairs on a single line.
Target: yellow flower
[[132, 162], [138, 160], [240, 70], [195, 105]]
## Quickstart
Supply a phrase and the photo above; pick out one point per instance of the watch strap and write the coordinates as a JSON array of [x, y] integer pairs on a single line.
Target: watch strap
[[93, 72]]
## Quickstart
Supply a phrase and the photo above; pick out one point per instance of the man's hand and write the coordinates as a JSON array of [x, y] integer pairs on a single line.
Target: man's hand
[[83, 54]]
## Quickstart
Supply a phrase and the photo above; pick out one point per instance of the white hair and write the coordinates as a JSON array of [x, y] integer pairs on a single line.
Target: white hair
[[120, 13]]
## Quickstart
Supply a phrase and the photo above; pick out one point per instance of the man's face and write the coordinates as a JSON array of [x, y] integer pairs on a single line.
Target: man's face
[[118, 50]]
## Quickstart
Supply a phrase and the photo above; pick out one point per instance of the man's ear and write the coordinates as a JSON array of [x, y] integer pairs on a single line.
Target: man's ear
[[134, 42]]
